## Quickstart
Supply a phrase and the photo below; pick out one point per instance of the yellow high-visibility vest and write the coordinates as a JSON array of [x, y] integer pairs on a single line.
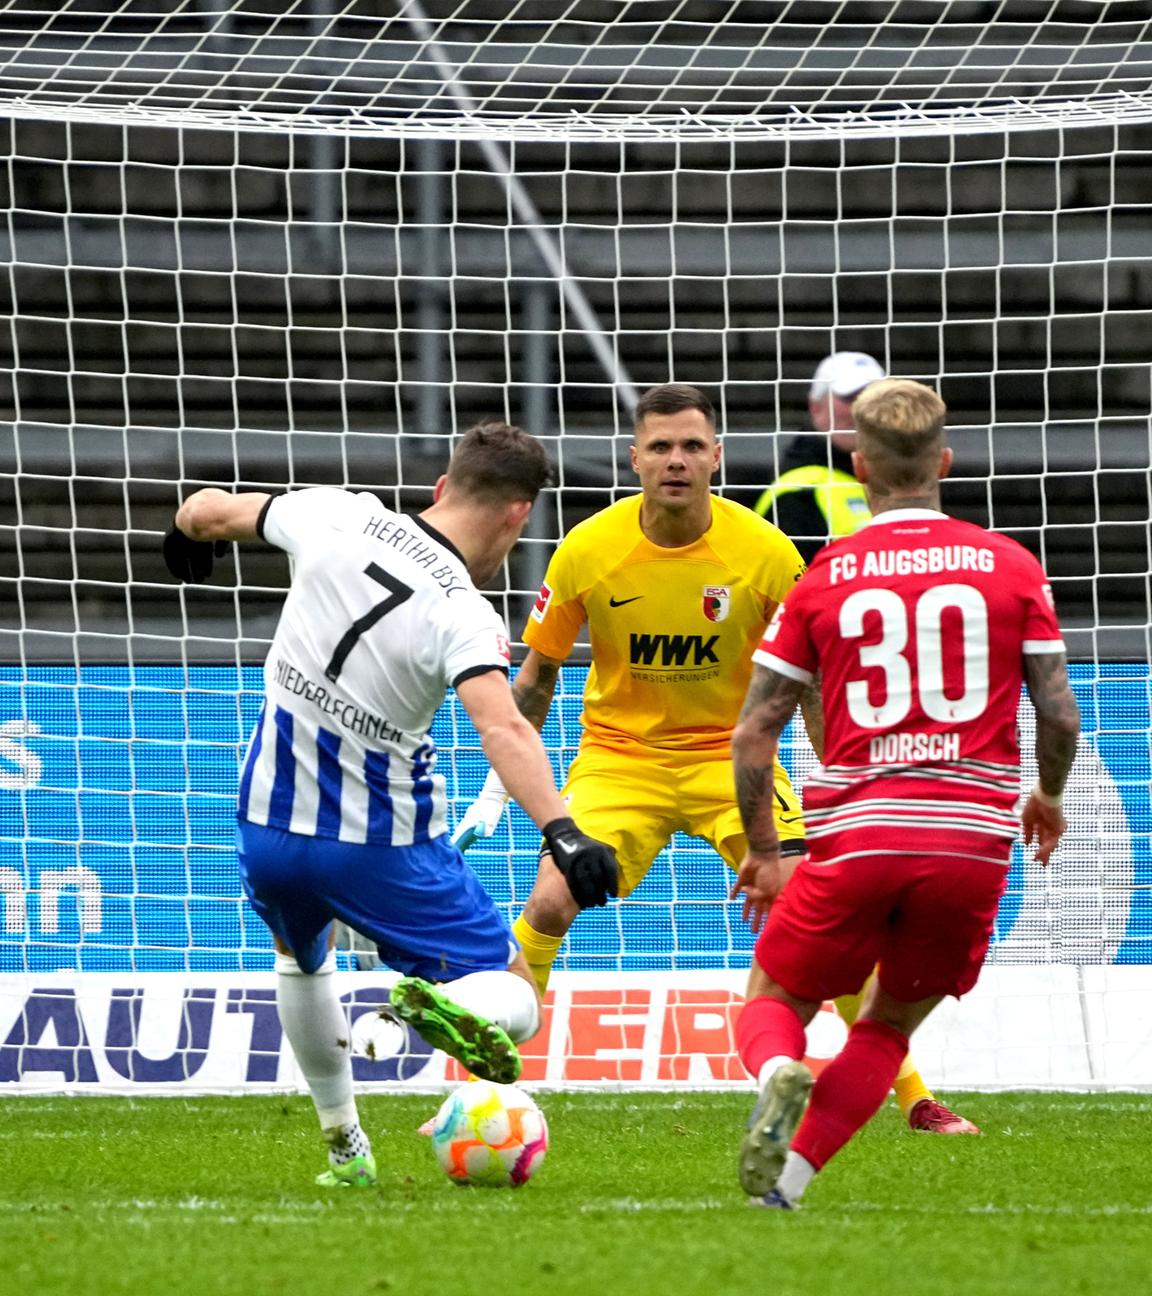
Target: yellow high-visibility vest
[[839, 496]]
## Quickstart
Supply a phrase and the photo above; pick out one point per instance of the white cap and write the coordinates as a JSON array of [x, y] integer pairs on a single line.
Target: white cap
[[844, 374]]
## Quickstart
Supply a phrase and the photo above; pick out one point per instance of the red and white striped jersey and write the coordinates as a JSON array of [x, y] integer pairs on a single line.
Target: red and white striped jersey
[[918, 626]]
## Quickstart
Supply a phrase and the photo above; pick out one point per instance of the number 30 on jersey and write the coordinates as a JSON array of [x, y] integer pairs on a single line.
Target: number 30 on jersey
[[888, 655]]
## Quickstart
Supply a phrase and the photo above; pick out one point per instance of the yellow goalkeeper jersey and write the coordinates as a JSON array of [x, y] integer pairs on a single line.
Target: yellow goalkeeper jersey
[[672, 631]]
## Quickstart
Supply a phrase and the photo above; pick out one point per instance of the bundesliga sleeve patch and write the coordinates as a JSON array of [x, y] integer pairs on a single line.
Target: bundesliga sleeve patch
[[773, 627], [542, 601]]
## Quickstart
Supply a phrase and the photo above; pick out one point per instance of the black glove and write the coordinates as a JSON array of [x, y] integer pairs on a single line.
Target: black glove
[[589, 867], [191, 560]]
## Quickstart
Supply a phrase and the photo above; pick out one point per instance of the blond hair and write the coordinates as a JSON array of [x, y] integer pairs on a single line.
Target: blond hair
[[900, 427]]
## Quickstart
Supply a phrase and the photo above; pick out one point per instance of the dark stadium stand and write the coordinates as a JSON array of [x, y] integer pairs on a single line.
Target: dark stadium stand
[[170, 324]]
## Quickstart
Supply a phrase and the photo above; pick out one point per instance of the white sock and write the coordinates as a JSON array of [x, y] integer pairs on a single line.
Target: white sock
[[795, 1177], [346, 1143], [501, 997], [317, 1029], [769, 1069]]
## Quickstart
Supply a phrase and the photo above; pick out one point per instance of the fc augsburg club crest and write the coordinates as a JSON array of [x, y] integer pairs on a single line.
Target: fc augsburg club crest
[[716, 601]]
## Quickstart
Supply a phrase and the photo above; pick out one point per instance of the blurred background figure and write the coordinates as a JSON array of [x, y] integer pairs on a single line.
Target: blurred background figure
[[816, 498]]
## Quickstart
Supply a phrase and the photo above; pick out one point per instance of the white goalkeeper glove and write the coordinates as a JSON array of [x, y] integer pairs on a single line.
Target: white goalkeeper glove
[[483, 816]]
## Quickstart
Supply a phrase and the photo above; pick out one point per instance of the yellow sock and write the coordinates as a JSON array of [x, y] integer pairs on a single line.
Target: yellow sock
[[539, 950], [848, 1006], [909, 1086]]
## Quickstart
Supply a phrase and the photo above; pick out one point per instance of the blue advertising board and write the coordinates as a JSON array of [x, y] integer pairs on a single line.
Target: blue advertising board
[[117, 789]]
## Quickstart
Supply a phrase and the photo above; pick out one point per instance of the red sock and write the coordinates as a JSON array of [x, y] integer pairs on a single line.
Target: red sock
[[767, 1028], [850, 1089]]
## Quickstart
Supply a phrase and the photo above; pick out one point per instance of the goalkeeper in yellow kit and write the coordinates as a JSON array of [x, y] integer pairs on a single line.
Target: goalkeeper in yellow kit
[[676, 586]]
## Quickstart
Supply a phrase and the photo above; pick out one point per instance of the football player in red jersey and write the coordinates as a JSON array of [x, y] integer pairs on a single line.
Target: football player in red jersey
[[922, 628]]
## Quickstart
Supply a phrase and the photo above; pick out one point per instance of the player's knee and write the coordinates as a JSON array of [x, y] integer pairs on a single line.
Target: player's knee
[[759, 982], [897, 1014], [307, 963], [526, 1021]]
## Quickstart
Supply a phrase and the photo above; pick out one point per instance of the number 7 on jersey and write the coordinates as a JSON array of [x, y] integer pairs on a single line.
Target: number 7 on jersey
[[398, 593]]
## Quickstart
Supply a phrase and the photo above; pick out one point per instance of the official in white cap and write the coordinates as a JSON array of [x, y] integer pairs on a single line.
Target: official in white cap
[[817, 498]]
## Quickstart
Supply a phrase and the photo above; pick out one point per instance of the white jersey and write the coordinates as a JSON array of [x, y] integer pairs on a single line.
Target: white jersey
[[380, 619]]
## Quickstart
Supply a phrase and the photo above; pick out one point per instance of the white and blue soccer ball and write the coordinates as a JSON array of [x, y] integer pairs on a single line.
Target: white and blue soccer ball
[[489, 1135]]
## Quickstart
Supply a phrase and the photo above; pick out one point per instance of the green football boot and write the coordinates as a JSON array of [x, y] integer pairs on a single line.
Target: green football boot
[[480, 1046], [360, 1172], [357, 1172], [770, 1128]]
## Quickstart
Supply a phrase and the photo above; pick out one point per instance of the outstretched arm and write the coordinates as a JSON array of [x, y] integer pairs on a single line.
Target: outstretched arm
[[768, 707], [214, 514], [204, 524], [532, 691], [1057, 735], [512, 745], [517, 755]]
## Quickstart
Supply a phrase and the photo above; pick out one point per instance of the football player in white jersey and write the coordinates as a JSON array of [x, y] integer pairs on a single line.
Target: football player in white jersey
[[341, 813]]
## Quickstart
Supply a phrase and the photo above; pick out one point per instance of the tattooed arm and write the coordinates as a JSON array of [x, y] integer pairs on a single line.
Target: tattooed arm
[[1057, 734], [534, 686], [812, 709], [1057, 718], [767, 709]]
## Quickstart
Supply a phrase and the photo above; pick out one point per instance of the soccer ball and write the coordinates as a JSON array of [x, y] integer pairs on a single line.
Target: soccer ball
[[489, 1135]]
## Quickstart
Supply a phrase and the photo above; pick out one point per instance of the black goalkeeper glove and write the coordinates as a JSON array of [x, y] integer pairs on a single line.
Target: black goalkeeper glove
[[589, 867], [191, 560]]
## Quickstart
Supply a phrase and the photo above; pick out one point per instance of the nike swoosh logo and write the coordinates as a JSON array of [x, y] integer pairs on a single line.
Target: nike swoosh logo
[[615, 602]]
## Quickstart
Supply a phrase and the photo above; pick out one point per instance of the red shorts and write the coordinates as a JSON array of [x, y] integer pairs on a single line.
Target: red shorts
[[923, 921]]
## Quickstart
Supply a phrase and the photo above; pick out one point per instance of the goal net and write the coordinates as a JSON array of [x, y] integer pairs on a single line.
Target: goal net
[[281, 243]]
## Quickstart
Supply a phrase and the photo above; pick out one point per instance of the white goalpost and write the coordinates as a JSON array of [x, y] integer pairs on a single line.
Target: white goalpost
[[282, 243]]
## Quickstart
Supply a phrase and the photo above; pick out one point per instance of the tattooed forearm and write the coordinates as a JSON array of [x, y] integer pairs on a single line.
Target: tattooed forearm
[[770, 702], [533, 688], [754, 795], [1055, 752], [1057, 718]]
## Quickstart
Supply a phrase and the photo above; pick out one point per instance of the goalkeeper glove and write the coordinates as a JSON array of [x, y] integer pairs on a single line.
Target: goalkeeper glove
[[191, 560], [482, 817], [589, 867]]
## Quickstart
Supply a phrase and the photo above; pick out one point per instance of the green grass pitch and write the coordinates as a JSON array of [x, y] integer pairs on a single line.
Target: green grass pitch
[[638, 1195]]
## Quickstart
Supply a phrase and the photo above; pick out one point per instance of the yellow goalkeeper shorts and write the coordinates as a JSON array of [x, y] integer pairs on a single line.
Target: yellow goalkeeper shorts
[[635, 802]]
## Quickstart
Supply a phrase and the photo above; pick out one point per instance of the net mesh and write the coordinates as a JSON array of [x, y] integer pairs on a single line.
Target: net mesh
[[118, 830], [581, 69], [264, 245]]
